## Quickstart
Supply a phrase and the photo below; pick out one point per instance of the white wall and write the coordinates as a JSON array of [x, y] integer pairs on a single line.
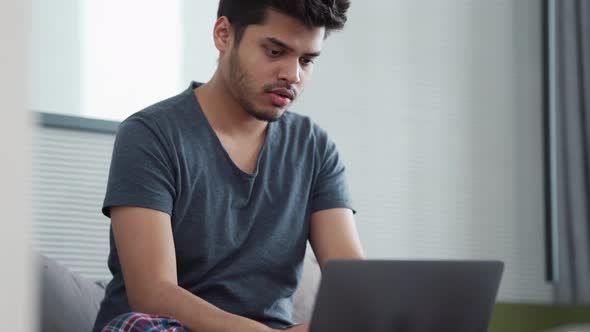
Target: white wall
[[17, 280], [55, 56], [199, 52], [436, 108]]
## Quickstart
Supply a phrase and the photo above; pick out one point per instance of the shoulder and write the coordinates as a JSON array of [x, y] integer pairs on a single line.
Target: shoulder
[[303, 127], [160, 118]]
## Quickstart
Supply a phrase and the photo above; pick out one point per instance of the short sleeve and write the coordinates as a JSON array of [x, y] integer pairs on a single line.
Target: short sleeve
[[141, 173], [330, 188]]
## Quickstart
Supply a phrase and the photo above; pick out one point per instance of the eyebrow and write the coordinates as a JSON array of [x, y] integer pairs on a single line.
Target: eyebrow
[[284, 45]]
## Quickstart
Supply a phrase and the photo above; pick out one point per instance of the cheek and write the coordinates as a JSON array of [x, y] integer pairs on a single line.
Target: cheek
[[264, 73], [305, 76]]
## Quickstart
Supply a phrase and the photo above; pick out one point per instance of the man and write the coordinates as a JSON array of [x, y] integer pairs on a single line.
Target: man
[[213, 193]]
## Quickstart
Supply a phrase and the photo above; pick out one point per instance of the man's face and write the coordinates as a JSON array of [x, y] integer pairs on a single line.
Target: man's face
[[271, 64]]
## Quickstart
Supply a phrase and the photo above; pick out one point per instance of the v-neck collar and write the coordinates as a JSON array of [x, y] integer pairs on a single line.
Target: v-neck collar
[[219, 146]]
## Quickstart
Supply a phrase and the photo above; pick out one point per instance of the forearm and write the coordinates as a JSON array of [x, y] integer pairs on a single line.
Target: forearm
[[195, 313]]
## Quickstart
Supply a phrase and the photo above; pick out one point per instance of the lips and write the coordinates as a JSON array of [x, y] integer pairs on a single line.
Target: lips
[[284, 93], [281, 97], [279, 100]]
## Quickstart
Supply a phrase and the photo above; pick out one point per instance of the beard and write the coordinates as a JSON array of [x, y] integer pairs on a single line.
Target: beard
[[243, 88]]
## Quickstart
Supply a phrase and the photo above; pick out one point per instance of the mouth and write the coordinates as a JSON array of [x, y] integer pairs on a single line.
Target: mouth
[[281, 97], [285, 93], [279, 100]]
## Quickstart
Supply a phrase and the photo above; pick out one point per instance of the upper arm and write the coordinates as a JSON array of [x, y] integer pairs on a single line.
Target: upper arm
[[141, 173], [333, 235], [146, 251]]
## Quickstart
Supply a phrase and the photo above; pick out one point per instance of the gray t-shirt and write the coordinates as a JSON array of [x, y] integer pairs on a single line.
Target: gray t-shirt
[[239, 238]]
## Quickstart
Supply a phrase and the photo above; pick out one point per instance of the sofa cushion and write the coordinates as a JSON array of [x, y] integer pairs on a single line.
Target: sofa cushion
[[304, 297], [69, 302]]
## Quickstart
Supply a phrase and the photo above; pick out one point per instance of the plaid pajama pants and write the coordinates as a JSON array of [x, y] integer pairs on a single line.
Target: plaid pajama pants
[[138, 322]]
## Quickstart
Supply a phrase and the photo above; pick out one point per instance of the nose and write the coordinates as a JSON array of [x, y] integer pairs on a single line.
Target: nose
[[290, 72]]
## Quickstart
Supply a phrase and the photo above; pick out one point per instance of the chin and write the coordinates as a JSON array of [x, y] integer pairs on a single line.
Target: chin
[[268, 116], [274, 116]]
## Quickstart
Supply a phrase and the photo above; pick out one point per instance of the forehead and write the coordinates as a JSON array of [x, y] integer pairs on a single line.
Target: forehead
[[289, 30]]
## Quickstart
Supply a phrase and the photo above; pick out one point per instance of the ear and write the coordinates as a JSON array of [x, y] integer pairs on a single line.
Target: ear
[[222, 34]]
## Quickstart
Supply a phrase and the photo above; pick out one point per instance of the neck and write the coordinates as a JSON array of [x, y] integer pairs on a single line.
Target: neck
[[224, 112]]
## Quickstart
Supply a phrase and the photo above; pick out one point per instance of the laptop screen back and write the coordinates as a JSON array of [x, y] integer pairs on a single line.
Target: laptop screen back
[[406, 296]]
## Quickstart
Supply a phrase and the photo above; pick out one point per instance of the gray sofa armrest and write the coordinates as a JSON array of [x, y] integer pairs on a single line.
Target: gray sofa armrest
[[304, 297], [68, 301]]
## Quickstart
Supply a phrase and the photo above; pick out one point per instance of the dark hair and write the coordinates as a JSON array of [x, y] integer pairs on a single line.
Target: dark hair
[[330, 14]]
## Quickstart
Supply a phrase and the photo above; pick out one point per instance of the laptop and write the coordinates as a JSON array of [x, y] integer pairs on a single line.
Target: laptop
[[406, 296]]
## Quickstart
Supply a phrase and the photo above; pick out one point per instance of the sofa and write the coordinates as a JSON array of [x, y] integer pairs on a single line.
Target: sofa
[[69, 302]]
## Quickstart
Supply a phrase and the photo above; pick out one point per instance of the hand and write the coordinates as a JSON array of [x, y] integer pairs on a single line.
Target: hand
[[299, 328]]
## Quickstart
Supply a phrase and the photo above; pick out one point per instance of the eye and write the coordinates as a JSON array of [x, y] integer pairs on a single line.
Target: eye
[[273, 53], [306, 61]]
